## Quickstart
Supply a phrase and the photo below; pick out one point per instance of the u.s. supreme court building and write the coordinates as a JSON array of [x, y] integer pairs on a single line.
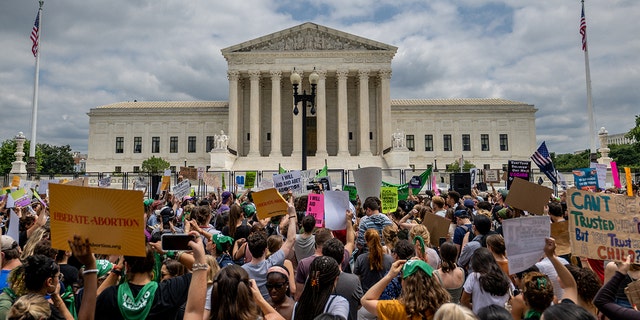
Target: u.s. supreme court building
[[356, 122]]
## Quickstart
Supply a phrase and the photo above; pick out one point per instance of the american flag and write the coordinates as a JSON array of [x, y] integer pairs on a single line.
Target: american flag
[[583, 29], [542, 159], [35, 35]]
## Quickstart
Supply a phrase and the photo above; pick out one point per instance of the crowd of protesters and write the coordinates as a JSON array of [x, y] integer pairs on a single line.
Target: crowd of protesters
[[382, 266]]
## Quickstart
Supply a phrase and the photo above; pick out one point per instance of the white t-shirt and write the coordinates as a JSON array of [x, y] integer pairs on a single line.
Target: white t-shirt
[[481, 298], [336, 305]]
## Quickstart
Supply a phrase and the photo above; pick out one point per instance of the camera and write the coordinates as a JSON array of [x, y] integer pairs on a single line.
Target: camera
[[319, 185]]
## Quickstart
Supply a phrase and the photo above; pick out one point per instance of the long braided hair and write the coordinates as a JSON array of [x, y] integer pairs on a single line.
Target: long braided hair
[[318, 287]]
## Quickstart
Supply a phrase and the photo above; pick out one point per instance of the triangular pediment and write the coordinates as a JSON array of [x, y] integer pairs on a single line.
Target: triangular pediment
[[309, 37]]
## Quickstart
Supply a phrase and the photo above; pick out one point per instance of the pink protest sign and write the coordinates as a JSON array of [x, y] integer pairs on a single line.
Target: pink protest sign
[[615, 175], [315, 207]]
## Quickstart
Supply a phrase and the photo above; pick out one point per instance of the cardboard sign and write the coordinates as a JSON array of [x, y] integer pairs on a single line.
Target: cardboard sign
[[438, 227], [560, 232], [517, 169], [368, 182], [336, 204], [291, 180], [315, 207], [112, 219], [15, 181], [491, 175], [604, 226], [189, 173], [525, 240], [250, 179], [586, 179], [528, 196], [165, 183], [212, 180], [76, 182], [389, 199], [269, 203]]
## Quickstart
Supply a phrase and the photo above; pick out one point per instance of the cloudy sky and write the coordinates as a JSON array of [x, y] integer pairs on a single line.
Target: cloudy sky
[[100, 52]]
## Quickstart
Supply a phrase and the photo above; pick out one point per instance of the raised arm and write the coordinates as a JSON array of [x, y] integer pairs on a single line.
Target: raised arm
[[370, 299], [194, 309], [351, 233], [570, 285], [81, 249], [293, 225]]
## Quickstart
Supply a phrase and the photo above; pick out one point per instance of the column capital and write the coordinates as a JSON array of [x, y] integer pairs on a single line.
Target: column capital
[[233, 75], [275, 74], [254, 74], [342, 74], [363, 74], [322, 74], [385, 73]]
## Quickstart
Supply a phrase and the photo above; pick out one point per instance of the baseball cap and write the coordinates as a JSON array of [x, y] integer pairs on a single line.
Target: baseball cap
[[461, 214], [8, 243], [469, 203], [225, 195]]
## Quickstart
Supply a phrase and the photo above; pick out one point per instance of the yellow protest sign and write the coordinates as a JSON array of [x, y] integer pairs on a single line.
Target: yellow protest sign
[[112, 219], [604, 226], [269, 203], [15, 182], [627, 174], [166, 182], [389, 199]]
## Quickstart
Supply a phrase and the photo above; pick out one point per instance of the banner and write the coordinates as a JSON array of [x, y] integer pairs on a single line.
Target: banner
[[112, 219], [389, 199], [315, 207], [403, 189], [517, 169], [524, 239], [604, 226], [269, 203], [586, 179]]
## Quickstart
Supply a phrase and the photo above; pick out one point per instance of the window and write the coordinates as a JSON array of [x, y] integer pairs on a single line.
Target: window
[[136, 169], [137, 144], [446, 139], [484, 142], [466, 142], [504, 142], [350, 135], [268, 136], [117, 169], [119, 144], [211, 143], [428, 142], [155, 145], [411, 143], [486, 166], [173, 145], [191, 144]]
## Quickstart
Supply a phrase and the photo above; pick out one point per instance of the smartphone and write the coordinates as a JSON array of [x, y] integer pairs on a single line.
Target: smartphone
[[176, 241]]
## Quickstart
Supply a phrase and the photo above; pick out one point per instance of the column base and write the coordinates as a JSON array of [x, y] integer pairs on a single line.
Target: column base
[[343, 154], [275, 153], [366, 153], [322, 154]]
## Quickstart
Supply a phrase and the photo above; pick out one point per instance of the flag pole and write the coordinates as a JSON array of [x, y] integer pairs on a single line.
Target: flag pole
[[31, 164], [585, 48]]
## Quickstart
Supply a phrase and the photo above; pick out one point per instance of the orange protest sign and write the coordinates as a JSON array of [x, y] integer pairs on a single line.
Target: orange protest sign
[[166, 182], [269, 203], [15, 182], [112, 219]]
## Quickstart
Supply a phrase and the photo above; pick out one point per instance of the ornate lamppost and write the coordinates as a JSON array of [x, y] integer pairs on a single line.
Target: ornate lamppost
[[296, 79]]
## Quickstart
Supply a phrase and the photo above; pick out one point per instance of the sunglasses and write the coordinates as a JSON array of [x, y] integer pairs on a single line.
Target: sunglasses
[[275, 285]]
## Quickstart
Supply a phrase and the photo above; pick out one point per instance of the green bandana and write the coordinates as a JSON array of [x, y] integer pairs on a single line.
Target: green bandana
[[219, 239], [136, 308], [411, 266], [70, 301], [419, 239]]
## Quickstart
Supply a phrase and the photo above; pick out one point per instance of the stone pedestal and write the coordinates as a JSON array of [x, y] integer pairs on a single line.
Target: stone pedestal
[[397, 158], [19, 167], [221, 160]]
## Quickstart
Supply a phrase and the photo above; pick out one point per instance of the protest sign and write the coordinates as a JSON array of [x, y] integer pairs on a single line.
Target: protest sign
[[43, 185], [438, 228], [19, 198], [76, 182], [601, 172], [269, 203], [528, 196], [336, 204], [615, 175], [604, 226], [560, 232], [368, 182], [517, 169], [491, 175], [524, 239], [104, 182], [15, 181], [353, 192], [165, 183], [586, 179], [201, 171], [212, 180], [474, 173], [182, 189], [250, 179], [112, 219], [627, 175], [291, 180], [415, 182], [315, 207], [389, 199], [140, 183], [189, 173], [167, 173]]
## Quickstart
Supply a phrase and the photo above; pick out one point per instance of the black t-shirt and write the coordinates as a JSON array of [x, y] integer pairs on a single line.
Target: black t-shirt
[[70, 274], [170, 295]]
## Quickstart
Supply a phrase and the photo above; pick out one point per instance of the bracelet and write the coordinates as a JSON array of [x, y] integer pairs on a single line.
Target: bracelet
[[90, 271], [199, 266], [178, 255]]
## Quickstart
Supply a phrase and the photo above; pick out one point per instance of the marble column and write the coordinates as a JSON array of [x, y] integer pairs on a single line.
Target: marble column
[[385, 109], [321, 114], [343, 117], [234, 137], [363, 117], [254, 107], [276, 114]]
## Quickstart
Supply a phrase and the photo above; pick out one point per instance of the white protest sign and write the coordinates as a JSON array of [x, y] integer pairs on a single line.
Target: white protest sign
[[201, 171], [182, 189], [167, 173], [291, 180], [336, 204], [474, 172], [104, 182], [368, 182], [43, 186], [524, 240], [601, 170]]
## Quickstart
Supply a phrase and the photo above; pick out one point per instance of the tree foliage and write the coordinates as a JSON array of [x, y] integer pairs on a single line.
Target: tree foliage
[[634, 133], [455, 166], [154, 165], [50, 159], [569, 161]]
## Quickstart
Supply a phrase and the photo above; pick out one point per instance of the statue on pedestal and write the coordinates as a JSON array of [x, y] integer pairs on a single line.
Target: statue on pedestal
[[221, 141], [398, 139]]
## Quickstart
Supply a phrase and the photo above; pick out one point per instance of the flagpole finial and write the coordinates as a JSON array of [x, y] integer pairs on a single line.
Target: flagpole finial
[[41, 3]]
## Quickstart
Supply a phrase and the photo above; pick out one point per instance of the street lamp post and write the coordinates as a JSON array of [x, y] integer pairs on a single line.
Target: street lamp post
[[304, 98]]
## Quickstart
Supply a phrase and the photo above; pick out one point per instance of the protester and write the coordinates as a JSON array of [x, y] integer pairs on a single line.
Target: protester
[[305, 242], [10, 259], [317, 297], [487, 284], [374, 264], [481, 229], [373, 220], [278, 286], [30, 306], [421, 238], [348, 285], [605, 299], [451, 275], [453, 311], [42, 276]]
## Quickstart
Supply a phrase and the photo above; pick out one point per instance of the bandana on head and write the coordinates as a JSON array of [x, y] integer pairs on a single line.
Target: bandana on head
[[219, 239], [420, 240], [411, 266]]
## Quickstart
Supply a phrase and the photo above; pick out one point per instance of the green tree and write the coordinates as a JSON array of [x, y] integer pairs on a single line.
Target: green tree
[[455, 166], [155, 165], [7, 155], [635, 132], [55, 159], [569, 161], [625, 155]]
